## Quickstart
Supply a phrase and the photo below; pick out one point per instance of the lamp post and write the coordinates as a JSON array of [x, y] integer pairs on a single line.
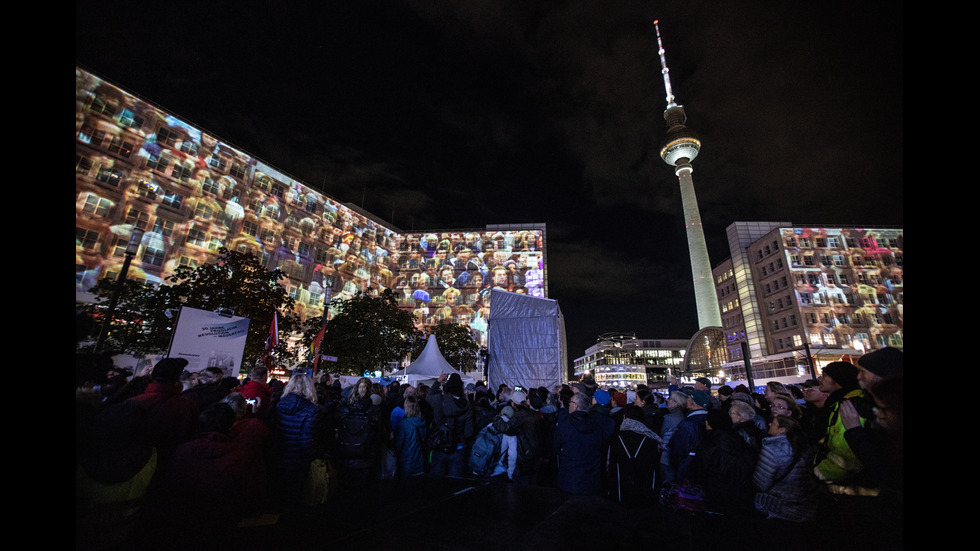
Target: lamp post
[[134, 244]]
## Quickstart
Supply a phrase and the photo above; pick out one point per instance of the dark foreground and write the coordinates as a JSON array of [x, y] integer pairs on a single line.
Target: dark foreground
[[444, 514]]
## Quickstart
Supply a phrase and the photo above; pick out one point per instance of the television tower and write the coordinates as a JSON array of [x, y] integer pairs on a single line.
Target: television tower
[[680, 147]]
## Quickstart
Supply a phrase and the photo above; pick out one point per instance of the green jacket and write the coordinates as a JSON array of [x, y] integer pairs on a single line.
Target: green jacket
[[836, 462]]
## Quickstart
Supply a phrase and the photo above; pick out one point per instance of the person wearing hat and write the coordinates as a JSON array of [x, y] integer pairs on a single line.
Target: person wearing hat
[[453, 415], [704, 383], [835, 463], [170, 417], [879, 365], [815, 415], [601, 401]]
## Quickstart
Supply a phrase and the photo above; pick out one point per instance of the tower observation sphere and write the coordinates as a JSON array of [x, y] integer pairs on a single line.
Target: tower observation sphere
[[680, 147]]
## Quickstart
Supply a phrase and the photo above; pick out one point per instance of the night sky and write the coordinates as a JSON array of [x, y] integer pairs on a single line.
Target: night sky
[[444, 115]]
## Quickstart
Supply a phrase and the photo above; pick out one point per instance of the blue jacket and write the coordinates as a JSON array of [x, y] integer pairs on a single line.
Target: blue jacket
[[685, 441], [581, 440], [295, 443], [409, 439]]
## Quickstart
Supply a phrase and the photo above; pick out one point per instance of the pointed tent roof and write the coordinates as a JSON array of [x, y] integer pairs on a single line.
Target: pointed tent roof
[[429, 365]]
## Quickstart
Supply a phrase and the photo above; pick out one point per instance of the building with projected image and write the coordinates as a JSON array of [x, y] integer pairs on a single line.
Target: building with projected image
[[138, 167], [794, 298]]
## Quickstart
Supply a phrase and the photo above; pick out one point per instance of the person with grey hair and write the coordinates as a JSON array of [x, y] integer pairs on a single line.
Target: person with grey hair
[[676, 408], [743, 424]]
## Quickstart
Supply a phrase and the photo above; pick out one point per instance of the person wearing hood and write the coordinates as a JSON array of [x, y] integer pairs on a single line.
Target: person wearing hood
[[634, 456], [452, 415], [581, 441]]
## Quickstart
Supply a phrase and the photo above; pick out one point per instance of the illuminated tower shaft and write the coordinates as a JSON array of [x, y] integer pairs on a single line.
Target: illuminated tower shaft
[[680, 147]]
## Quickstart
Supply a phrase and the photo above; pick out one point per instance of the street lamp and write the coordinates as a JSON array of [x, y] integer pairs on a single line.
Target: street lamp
[[134, 244]]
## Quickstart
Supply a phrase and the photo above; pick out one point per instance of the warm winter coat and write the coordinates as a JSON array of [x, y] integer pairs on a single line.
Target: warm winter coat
[[836, 462], [685, 441], [409, 441], [581, 441], [634, 455], [295, 442], [786, 488], [723, 465]]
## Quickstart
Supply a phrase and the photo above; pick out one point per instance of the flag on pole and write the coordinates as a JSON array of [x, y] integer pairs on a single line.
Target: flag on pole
[[273, 340], [315, 347]]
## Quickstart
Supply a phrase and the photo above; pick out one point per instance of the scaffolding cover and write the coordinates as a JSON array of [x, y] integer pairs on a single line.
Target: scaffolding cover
[[525, 341]]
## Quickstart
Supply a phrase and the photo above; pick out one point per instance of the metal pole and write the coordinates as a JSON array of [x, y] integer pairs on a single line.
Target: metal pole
[[134, 242]]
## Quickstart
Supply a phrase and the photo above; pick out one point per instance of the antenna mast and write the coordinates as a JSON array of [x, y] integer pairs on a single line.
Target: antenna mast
[[663, 64]]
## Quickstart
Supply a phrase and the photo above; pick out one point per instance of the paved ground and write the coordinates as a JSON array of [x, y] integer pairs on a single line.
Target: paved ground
[[449, 514]]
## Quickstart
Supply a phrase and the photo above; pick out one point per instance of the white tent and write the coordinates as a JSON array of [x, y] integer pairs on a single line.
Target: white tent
[[428, 366], [526, 341]]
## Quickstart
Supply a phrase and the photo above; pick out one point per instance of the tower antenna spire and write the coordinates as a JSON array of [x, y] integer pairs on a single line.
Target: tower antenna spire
[[663, 64]]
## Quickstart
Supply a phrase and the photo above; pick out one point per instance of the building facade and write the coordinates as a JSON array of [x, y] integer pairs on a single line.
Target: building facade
[[622, 363], [793, 298], [138, 167]]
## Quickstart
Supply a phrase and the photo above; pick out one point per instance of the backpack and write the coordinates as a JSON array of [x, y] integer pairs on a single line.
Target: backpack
[[485, 451], [355, 435], [445, 437]]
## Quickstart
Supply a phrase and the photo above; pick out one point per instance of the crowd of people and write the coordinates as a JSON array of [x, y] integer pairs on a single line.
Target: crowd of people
[[166, 450]]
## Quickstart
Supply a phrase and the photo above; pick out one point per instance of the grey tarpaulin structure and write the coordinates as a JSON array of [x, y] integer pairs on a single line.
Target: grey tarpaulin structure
[[525, 341], [428, 366]]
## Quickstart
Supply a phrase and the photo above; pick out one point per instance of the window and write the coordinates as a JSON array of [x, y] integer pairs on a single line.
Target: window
[[83, 165], [219, 162], [210, 185], [839, 260], [153, 255], [238, 170], [182, 172], [167, 137], [96, 205], [158, 163], [278, 190], [204, 211], [131, 120], [250, 228], [188, 147], [164, 227], [197, 237], [833, 242], [120, 146], [86, 239], [813, 279], [822, 242], [138, 219], [172, 199], [109, 176]]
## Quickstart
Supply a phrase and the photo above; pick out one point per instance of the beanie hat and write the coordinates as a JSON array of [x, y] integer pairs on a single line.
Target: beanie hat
[[601, 397], [454, 385], [619, 398], [843, 373], [725, 390], [701, 398], [885, 362], [579, 387], [518, 396], [630, 396], [704, 381], [168, 370], [536, 400]]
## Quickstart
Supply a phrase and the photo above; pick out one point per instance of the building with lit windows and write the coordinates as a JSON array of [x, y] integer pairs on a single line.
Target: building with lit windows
[[623, 361], [189, 192], [793, 299]]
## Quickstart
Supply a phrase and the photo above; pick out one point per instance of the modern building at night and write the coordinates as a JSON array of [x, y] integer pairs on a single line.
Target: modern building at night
[[138, 167], [623, 361], [791, 294]]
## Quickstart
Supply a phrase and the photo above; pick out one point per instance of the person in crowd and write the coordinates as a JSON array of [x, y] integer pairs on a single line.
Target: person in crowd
[[722, 464], [452, 418], [704, 383], [409, 438], [581, 441], [684, 442], [743, 424], [835, 462], [601, 401], [211, 484], [760, 419], [815, 415], [653, 416], [634, 458], [676, 407], [114, 470], [524, 425], [208, 388], [881, 364], [785, 404], [170, 417], [296, 438], [725, 397], [362, 432], [257, 391], [786, 490]]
